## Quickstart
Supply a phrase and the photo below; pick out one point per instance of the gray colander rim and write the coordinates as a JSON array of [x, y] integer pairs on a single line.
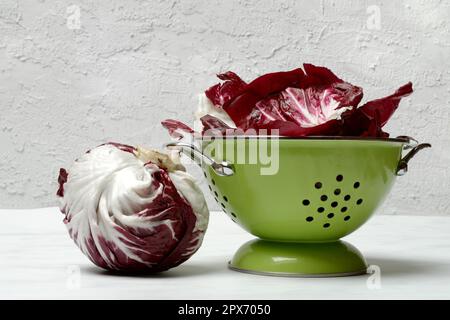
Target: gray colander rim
[[401, 139]]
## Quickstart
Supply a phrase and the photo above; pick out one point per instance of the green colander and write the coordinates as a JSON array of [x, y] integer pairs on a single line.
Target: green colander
[[313, 192]]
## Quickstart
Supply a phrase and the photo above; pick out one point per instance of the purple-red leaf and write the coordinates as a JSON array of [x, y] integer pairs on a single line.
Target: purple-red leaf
[[241, 106], [221, 93], [305, 99], [290, 129], [300, 102], [368, 119], [212, 123], [177, 129], [386, 106]]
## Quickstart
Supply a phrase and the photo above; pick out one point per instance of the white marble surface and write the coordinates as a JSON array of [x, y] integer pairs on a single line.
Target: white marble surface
[[38, 260]]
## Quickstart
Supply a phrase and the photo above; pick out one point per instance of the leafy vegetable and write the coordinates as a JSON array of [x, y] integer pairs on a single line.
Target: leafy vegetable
[[132, 209], [311, 101]]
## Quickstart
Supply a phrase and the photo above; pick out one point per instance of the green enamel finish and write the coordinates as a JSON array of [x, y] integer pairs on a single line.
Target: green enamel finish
[[286, 206], [300, 259], [271, 206]]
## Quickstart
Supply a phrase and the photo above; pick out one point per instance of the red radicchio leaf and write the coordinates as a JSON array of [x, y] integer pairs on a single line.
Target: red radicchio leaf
[[374, 129], [386, 106], [213, 126], [368, 119], [242, 105], [177, 129], [121, 146], [62, 178], [221, 93], [321, 77], [298, 103], [275, 82], [304, 99], [318, 76], [211, 123], [290, 129]]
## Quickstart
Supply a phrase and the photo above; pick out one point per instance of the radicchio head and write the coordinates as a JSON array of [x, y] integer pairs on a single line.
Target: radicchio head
[[132, 209]]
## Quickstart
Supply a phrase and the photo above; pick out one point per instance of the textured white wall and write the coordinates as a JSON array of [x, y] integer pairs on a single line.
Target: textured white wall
[[66, 87]]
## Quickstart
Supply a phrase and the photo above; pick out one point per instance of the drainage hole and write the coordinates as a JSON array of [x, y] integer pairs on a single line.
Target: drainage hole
[[309, 219], [225, 198], [339, 177], [320, 209], [326, 225], [337, 192], [216, 194], [347, 218], [305, 202], [330, 215], [213, 182], [233, 214], [204, 173], [210, 189], [356, 185], [223, 206], [344, 209], [324, 198], [347, 197], [359, 201], [334, 204], [318, 185]]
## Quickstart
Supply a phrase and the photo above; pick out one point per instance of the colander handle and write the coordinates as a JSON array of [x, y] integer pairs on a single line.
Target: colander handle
[[411, 142], [402, 166], [223, 168]]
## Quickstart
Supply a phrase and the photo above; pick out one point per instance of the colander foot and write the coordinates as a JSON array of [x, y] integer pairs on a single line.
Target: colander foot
[[331, 259]]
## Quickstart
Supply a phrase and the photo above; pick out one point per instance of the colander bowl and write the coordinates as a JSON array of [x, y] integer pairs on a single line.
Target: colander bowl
[[300, 196]]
